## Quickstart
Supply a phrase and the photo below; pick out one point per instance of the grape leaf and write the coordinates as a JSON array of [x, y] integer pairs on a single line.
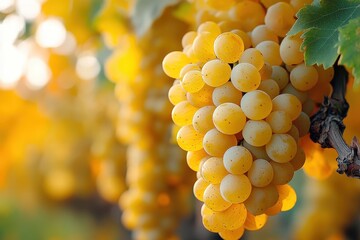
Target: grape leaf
[[320, 22], [147, 11], [349, 46]]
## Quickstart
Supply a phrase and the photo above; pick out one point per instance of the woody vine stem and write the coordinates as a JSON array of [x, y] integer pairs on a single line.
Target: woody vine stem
[[327, 126]]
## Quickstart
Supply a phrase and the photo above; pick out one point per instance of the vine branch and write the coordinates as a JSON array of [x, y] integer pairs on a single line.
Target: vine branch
[[327, 126]]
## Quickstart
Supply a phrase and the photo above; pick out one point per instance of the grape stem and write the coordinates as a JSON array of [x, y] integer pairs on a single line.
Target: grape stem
[[327, 126]]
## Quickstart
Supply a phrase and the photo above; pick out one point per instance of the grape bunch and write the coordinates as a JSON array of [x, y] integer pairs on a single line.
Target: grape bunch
[[158, 181], [242, 100]]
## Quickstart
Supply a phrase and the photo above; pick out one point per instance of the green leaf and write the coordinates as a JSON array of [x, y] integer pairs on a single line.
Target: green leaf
[[320, 23], [349, 47], [147, 11]]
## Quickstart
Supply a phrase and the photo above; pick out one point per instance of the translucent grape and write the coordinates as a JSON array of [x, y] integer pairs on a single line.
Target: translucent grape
[[176, 94], [303, 77], [193, 81], [209, 26], [213, 170], [261, 173], [302, 123], [253, 223], [199, 188], [280, 18], [173, 63], [237, 160], [283, 172], [203, 46], [244, 36], [290, 50], [216, 143], [235, 188], [245, 77], [188, 38], [261, 33], [228, 47], [280, 121], [226, 93], [214, 200], [228, 118], [254, 57], [216, 72], [270, 51], [280, 75], [261, 199], [288, 103], [270, 87], [257, 133], [201, 98], [183, 112], [281, 148], [203, 119], [189, 139], [256, 104]]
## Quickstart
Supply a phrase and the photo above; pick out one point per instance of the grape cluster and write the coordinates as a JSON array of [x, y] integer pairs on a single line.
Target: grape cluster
[[159, 183], [241, 103]]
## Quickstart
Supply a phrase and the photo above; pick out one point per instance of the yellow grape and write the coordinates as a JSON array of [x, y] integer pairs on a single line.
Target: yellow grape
[[254, 57], [298, 161], [253, 223], [173, 63], [245, 77], [232, 218], [176, 94], [203, 119], [249, 13], [279, 18], [294, 132], [281, 148], [210, 220], [216, 143], [266, 71], [228, 47], [290, 50], [199, 188], [257, 133], [261, 33], [270, 51], [283, 172], [280, 121], [302, 123], [270, 87], [192, 81], [194, 158], [237, 160], [274, 209], [288, 103], [226, 93], [280, 75], [261, 173], [256, 105], [201, 98], [235, 188], [183, 112], [261, 198], [188, 38], [214, 200], [213, 170], [244, 36], [303, 77], [220, 5], [210, 27], [187, 68], [203, 46], [189, 139], [288, 196], [302, 96], [232, 234], [216, 72], [228, 118], [256, 152]]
